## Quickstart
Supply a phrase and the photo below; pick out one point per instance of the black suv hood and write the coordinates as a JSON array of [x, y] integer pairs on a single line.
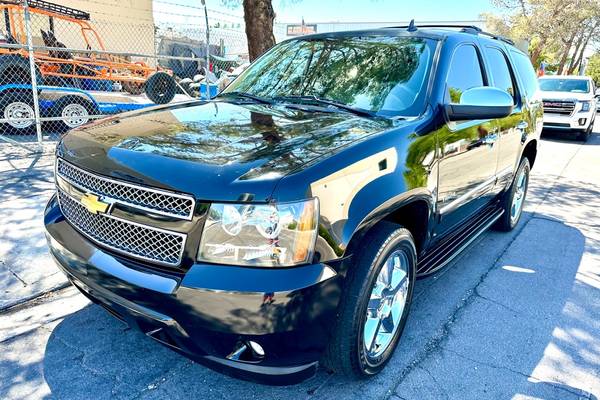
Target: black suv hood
[[213, 150]]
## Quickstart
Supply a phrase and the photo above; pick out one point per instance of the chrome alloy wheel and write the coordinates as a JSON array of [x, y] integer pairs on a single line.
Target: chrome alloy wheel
[[75, 115], [20, 115], [518, 196], [386, 305]]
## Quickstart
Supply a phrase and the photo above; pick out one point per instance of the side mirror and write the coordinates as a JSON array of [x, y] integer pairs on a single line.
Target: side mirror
[[481, 103], [598, 93]]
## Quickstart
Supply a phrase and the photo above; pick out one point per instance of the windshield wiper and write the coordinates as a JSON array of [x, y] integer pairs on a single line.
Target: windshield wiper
[[326, 102], [248, 96]]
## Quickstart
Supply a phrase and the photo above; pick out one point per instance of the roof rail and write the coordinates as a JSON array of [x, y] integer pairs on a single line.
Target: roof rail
[[498, 37], [51, 7], [412, 27]]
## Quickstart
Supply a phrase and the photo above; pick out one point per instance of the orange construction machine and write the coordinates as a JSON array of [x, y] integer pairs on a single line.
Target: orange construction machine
[[57, 65]]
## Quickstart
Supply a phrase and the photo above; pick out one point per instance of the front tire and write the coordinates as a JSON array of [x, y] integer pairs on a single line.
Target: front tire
[[585, 135], [513, 200], [375, 304]]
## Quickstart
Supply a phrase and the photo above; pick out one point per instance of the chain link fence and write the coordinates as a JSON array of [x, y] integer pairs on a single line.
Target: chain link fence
[[62, 67]]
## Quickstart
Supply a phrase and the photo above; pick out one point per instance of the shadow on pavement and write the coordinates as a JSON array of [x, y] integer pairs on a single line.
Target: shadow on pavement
[[525, 305], [569, 137]]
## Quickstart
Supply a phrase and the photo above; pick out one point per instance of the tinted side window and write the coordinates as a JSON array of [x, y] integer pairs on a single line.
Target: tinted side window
[[526, 72], [465, 73], [500, 71]]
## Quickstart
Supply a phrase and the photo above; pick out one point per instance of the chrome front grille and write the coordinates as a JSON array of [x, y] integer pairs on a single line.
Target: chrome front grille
[[139, 241], [564, 107], [159, 201]]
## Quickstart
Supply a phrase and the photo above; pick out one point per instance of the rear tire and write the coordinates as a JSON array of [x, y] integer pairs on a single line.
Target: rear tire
[[358, 349], [16, 104], [161, 88], [75, 111], [15, 69], [513, 200]]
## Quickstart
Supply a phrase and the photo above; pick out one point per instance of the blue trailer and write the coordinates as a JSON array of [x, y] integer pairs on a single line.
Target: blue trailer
[[62, 108]]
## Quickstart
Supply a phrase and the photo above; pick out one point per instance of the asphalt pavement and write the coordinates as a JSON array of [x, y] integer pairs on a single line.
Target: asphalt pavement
[[516, 316]]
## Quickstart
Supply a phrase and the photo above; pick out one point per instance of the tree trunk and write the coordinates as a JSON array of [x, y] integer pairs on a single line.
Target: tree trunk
[[579, 60], [565, 55], [578, 44], [259, 16]]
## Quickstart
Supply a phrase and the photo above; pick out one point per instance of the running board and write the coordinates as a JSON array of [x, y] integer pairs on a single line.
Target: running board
[[453, 245]]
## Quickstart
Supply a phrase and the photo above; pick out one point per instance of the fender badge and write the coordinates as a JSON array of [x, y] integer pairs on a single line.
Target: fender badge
[[93, 204]]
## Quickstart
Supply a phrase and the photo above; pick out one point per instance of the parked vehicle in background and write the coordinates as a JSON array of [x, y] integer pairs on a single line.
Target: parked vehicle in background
[[570, 104], [285, 221], [59, 67]]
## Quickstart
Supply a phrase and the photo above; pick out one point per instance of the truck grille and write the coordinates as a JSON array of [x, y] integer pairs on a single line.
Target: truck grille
[[154, 200], [564, 107], [126, 237]]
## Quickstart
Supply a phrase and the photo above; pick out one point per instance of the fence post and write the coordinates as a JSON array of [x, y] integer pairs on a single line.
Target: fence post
[[206, 81], [36, 104]]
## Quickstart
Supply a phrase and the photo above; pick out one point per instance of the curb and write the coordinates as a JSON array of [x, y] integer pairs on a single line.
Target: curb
[[12, 306]]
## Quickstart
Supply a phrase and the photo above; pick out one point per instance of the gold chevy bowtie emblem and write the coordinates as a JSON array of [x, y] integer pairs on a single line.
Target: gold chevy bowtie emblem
[[93, 203]]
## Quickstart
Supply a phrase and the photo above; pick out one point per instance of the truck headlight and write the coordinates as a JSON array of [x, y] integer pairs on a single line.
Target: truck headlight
[[585, 106], [266, 235]]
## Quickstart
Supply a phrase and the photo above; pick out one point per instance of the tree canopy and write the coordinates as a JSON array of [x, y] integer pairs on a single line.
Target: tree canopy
[[593, 68], [558, 31]]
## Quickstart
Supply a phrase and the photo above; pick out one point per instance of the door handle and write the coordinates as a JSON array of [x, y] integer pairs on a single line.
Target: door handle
[[523, 125]]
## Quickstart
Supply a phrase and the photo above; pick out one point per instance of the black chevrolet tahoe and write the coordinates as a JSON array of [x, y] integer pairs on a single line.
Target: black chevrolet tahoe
[[282, 225]]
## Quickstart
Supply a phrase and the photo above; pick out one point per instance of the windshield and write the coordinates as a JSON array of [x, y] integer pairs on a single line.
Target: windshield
[[382, 74], [565, 85]]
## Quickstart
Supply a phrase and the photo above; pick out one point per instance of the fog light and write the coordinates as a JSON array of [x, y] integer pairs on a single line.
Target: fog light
[[248, 352], [582, 121], [257, 349]]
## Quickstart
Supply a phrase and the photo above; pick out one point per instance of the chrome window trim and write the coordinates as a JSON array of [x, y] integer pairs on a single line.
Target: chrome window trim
[[125, 221], [110, 199]]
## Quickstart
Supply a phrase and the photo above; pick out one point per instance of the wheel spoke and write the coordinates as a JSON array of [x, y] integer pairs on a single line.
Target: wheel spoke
[[378, 289], [522, 179], [385, 275], [371, 329], [382, 340], [398, 304], [398, 277], [386, 304]]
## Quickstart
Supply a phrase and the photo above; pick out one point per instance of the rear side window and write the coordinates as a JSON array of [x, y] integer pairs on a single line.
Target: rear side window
[[465, 73], [526, 72], [500, 71]]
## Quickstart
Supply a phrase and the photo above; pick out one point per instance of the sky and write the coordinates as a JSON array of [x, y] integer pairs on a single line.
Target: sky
[[344, 10]]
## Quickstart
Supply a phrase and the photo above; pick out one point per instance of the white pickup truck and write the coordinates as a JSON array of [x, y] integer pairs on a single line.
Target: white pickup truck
[[569, 103]]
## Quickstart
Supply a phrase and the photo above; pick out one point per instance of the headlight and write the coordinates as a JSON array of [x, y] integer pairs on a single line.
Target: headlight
[[268, 235], [585, 106]]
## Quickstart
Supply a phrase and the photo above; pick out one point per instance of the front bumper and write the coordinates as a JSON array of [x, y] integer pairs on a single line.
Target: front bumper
[[208, 312], [571, 122]]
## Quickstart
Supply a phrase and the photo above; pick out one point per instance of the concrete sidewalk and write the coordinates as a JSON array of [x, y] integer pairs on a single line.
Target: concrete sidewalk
[[26, 184]]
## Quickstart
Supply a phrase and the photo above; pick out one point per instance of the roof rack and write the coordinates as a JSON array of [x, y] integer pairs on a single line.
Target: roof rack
[[473, 29], [51, 7]]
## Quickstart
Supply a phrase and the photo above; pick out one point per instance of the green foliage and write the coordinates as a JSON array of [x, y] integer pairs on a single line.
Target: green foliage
[[557, 31], [593, 68]]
